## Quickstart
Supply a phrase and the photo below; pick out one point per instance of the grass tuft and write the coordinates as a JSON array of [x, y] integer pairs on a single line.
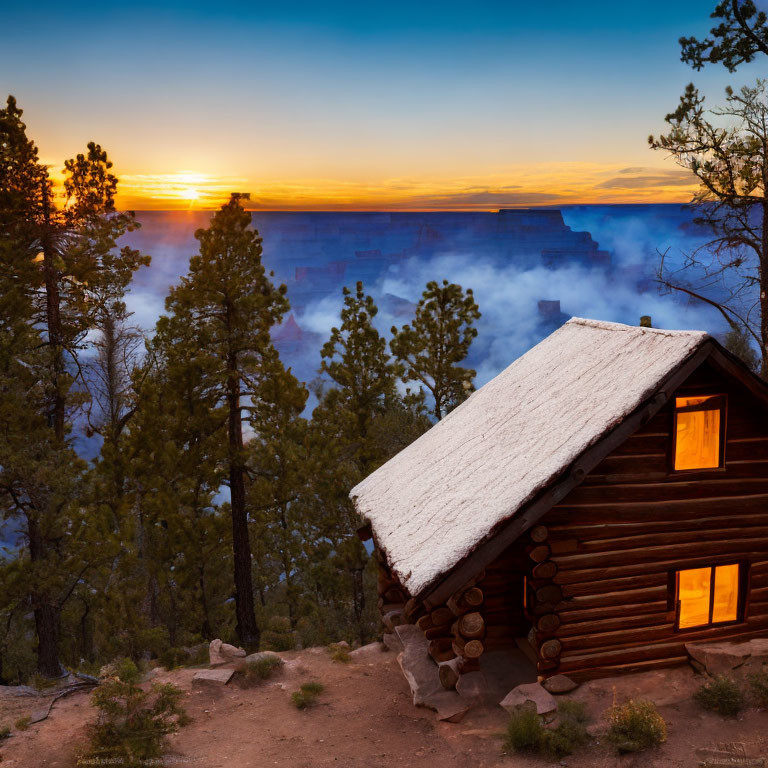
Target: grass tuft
[[526, 732], [758, 684], [307, 695], [635, 725], [256, 671], [722, 695], [23, 723], [339, 653]]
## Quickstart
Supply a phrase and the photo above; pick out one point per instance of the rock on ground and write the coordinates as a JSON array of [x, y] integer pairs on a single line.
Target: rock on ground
[[214, 677], [519, 696], [421, 673], [224, 653], [725, 658], [559, 684], [260, 656]]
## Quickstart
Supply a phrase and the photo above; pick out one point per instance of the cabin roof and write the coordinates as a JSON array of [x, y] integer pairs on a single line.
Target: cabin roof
[[434, 502]]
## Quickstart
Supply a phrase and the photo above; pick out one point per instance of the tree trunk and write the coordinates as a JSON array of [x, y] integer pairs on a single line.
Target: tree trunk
[[45, 612], [764, 293], [247, 629]]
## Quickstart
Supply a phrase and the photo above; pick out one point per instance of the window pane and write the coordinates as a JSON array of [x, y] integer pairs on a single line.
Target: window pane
[[697, 444], [694, 596], [726, 593]]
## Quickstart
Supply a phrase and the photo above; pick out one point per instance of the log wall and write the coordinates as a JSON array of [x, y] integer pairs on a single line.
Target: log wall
[[602, 571]]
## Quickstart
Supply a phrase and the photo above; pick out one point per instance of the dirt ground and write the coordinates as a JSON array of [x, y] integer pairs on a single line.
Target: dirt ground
[[365, 719]]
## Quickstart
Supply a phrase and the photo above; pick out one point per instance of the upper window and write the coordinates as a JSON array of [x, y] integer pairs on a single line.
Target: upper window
[[699, 431], [708, 595]]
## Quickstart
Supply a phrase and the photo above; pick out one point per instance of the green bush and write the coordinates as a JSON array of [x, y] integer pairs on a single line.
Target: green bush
[[5, 732], [171, 658], [339, 653], [526, 733], [307, 695], [23, 723], [41, 683], [132, 723], [256, 671], [635, 725], [758, 683], [722, 695]]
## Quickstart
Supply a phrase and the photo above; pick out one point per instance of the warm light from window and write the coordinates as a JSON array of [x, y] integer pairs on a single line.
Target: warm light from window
[[697, 432], [694, 597], [726, 603], [699, 604]]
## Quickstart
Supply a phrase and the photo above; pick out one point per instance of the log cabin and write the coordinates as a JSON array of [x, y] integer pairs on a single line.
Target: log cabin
[[599, 504]]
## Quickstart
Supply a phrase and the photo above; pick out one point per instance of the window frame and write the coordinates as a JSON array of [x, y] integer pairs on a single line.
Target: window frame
[[722, 406], [741, 598]]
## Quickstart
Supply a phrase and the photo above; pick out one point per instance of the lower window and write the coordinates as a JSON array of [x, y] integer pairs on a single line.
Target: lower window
[[708, 595]]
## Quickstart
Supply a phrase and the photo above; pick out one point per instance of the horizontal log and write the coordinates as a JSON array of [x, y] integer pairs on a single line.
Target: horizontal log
[[648, 555], [424, 623], [697, 559], [549, 622], [433, 633], [670, 538], [440, 616], [666, 648], [604, 599], [539, 553], [449, 672], [552, 593], [629, 636], [580, 676], [613, 585], [550, 649], [674, 488], [656, 509], [611, 612], [545, 570], [471, 649], [441, 649], [471, 625], [465, 601], [600, 625], [539, 533], [657, 471], [614, 530]]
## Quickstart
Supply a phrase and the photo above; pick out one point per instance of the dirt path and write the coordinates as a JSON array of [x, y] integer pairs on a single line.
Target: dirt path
[[364, 719]]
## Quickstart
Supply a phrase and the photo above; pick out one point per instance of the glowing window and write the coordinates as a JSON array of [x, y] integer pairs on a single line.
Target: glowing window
[[698, 432], [707, 595]]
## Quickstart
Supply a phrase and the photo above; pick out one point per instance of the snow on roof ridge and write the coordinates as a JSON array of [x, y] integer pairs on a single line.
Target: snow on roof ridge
[[606, 325]]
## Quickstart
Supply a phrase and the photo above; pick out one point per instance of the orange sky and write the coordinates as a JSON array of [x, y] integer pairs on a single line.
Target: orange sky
[[543, 184]]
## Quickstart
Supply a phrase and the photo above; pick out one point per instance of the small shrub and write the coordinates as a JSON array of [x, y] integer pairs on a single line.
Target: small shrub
[[41, 683], [23, 723], [339, 653], [758, 683], [722, 695], [307, 695], [526, 733], [132, 723], [5, 732], [635, 725], [256, 671], [171, 658]]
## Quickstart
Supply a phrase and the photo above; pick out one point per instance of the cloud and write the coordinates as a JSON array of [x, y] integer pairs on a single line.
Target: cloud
[[640, 178]]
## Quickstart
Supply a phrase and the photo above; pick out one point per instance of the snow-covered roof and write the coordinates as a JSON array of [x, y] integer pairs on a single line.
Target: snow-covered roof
[[436, 500]]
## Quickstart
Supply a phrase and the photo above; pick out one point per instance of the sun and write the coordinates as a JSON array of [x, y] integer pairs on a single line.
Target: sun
[[190, 194]]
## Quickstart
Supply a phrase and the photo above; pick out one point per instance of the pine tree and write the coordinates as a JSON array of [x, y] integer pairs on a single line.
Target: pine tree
[[431, 348], [229, 304], [67, 262]]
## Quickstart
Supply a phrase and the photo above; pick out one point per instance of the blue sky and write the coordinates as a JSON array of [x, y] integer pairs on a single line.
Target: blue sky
[[357, 103]]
